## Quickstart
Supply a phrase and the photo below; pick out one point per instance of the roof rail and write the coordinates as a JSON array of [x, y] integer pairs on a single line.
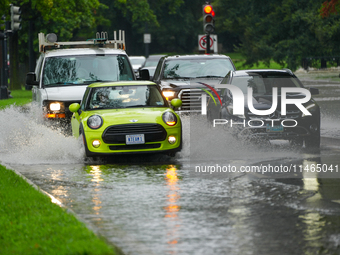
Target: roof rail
[[50, 40], [288, 70]]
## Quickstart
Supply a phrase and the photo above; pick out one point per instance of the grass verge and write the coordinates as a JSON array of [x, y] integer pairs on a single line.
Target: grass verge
[[20, 97], [239, 60], [31, 224]]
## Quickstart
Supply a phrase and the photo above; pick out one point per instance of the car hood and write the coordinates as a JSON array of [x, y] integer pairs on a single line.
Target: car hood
[[190, 83], [66, 93], [130, 115]]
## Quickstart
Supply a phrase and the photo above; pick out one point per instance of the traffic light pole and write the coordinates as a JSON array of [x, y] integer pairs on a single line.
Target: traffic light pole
[[4, 76]]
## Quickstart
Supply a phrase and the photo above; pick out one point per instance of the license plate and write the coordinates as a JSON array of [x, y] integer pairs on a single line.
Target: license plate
[[270, 128], [135, 139]]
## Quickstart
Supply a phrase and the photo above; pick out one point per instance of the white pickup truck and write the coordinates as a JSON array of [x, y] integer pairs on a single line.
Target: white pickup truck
[[62, 74]]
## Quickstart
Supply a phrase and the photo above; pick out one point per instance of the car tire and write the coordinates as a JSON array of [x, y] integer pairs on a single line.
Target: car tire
[[172, 154], [297, 142], [82, 134], [313, 141]]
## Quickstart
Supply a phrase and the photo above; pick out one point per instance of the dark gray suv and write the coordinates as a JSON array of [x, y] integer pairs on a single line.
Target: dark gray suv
[[182, 76], [269, 87]]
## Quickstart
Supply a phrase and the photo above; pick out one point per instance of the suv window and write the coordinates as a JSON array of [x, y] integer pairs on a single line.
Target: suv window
[[263, 85], [85, 69]]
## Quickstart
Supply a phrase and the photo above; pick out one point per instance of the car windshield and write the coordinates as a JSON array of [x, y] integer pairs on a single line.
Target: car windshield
[[198, 68], [264, 86], [85, 69], [125, 97]]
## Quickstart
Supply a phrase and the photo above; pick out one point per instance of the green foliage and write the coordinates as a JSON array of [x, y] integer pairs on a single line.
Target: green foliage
[[285, 31], [31, 224]]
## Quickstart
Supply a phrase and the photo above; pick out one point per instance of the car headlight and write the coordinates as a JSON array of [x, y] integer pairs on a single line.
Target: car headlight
[[169, 118], [95, 121], [55, 106], [168, 94], [230, 110], [311, 108]]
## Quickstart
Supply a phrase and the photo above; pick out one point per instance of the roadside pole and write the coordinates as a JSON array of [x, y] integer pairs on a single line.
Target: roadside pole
[[208, 43], [4, 76]]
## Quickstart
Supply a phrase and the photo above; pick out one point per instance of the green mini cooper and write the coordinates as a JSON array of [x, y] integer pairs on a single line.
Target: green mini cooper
[[126, 117]]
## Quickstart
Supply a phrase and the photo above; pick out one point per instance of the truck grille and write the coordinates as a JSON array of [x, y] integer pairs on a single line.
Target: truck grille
[[191, 99], [290, 114], [116, 134]]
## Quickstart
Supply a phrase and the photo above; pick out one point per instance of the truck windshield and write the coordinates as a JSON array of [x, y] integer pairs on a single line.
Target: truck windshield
[[197, 68], [86, 69]]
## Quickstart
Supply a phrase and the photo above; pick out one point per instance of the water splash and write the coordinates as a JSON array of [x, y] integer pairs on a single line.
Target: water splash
[[25, 140]]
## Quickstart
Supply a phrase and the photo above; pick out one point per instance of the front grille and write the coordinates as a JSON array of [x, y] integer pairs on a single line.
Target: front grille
[[135, 147], [290, 114], [116, 134], [191, 99]]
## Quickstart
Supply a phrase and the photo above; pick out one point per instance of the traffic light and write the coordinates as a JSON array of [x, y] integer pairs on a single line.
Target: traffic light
[[208, 18], [15, 18]]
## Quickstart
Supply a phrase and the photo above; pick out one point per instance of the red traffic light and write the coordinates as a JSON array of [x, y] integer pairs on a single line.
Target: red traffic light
[[208, 9], [208, 18]]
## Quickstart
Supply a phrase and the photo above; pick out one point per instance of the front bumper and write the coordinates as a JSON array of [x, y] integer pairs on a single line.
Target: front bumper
[[305, 127], [106, 149]]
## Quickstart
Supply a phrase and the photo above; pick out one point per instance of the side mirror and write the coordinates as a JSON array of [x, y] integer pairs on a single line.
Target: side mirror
[[74, 107], [314, 91], [176, 102], [31, 79], [144, 74]]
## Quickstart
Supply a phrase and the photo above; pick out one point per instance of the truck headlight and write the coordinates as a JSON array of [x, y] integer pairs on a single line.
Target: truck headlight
[[55, 106], [230, 110], [95, 121], [168, 94]]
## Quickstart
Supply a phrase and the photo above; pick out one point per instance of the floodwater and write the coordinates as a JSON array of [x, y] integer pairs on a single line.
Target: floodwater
[[160, 205]]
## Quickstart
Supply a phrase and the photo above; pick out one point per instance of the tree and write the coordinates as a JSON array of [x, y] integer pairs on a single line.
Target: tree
[[285, 31], [62, 17], [173, 24]]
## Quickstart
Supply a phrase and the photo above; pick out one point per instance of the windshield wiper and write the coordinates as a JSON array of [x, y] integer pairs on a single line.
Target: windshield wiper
[[138, 105], [59, 83], [177, 78], [93, 81], [210, 76]]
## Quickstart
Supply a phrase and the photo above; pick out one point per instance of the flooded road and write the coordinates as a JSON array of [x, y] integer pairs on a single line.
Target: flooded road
[[161, 205]]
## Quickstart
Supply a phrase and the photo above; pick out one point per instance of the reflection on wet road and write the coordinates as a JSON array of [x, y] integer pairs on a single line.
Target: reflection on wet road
[[158, 205], [164, 208]]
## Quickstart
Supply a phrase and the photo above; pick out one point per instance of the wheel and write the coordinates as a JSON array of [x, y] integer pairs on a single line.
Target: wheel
[[297, 142], [172, 154], [82, 134], [313, 141]]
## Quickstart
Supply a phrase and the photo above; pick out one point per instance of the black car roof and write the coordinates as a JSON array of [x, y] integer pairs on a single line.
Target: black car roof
[[201, 56], [263, 72]]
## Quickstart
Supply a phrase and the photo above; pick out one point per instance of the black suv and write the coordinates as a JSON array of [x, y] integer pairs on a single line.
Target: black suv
[[295, 126], [182, 76]]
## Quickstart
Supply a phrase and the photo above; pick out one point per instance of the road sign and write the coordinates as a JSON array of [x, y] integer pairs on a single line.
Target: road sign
[[147, 38], [202, 43]]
